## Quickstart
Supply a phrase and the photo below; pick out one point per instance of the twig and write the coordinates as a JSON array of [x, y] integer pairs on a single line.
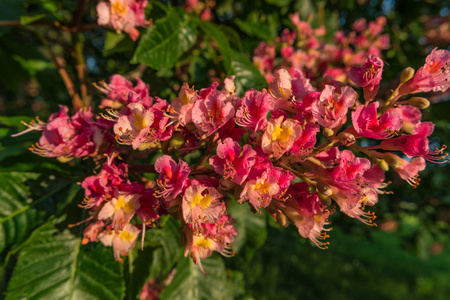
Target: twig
[[56, 24], [60, 65]]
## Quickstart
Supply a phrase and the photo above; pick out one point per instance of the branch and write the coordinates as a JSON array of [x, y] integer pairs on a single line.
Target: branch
[[76, 20], [55, 24], [60, 64]]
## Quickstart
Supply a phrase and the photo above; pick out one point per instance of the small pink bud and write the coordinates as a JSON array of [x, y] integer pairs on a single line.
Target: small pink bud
[[346, 139]]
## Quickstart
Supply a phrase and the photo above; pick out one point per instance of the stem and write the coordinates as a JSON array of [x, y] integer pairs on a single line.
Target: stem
[[296, 173], [205, 157], [76, 20], [60, 65], [142, 168], [81, 70]]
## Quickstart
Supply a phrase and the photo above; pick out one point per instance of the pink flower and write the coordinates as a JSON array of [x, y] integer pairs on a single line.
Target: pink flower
[[331, 109], [211, 112], [202, 204], [252, 114], [200, 247], [172, 178], [210, 237], [64, 137], [416, 144], [360, 25], [284, 178], [280, 136], [352, 205], [186, 96], [91, 232], [307, 213], [123, 15], [102, 187], [133, 126], [231, 162], [433, 76], [120, 209], [122, 241], [304, 145], [366, 123], [349, 174], [148, 207], [118, 92], [140, 127], [408, 171], [410, 115], [281, 86], [368, 76], [259, 191], [301, 86], [305, 106]]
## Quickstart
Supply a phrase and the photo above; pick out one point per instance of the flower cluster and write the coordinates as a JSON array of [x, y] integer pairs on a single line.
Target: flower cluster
[[305, 48], [292, 152], [123, 15]]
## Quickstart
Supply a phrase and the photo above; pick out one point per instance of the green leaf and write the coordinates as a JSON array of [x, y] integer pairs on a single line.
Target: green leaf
[[33, 65], [247, 75], [26, 201], [24, 20], [259, 25], [156, 262], [15, 216], [163, 43], [252, 232], [279, 3], [55, 265], [115, 43], [214, 32], [164, 258], [304, 8], [232, 36], [190, 283], [14, 121]]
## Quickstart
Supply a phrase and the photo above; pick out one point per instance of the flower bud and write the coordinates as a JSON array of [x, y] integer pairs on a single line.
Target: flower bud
[[177, 141], [328, 132], [282, 219], [346, 139], [325, 200], [393, 160], [324, 188], [407, 74], [311, 188], [419, 102], [383, 165], [226, 184]]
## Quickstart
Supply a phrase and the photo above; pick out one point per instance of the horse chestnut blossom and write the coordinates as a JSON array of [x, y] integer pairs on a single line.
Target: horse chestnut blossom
[[366, 123], [368, 76], [433, 76], [123, 15], [331, 109], [294, 150]]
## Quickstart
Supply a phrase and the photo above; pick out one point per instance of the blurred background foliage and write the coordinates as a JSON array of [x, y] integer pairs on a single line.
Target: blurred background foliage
[[407, 256]]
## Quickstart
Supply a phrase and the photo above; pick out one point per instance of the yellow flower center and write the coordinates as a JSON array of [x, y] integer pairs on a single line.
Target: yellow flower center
[[126, 236], [203, 201], [184, 99], [140, 122], [281, 134], [201, 242], [127, 207], [118, 8], [262, 187]]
